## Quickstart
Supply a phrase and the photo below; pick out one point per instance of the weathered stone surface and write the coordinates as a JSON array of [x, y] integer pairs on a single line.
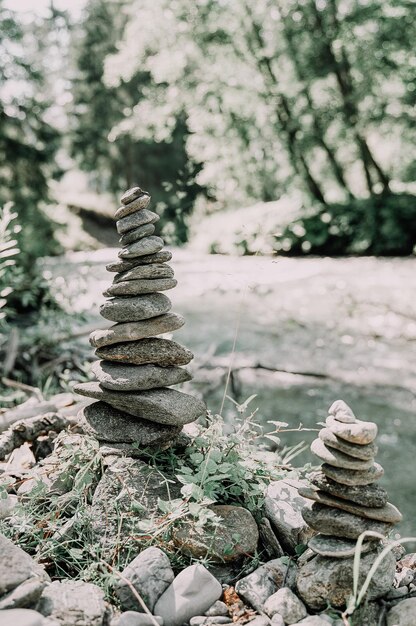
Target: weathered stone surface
[[143, 247], [16, 566], [338, 459], [135, 309], [128, 492], [269, 540], [324, 581], [192, 592], [136, 234], [331, 521], [106, 423], [138, 287], [353, 477], [314, 620], [403, 614], [7, 505], [21, 617], [164, 406], [138, 203], [133, 331], [153, 270], [283, 506], [73, 603], [352, 449], [133, 618], [359, 432], [367, 495], [119, 377], [256, 587], [150, 573], [124, 266], [136, 219], [131, 194], [285, 603], [337, 547], [277, 620], [24, 595], [157, 351], [388, 513], [236, 536], [342, 412], [203, 620], [217, 609]]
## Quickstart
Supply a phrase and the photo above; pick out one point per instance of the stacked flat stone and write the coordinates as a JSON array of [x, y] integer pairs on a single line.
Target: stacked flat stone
[[347, 500], [136, 368]]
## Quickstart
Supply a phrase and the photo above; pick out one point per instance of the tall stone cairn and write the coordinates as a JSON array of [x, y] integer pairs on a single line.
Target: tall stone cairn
[[347, 500], [136, 368]]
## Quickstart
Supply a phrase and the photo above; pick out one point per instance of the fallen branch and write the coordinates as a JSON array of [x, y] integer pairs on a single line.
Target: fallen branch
[[15, 384], [33, 408]]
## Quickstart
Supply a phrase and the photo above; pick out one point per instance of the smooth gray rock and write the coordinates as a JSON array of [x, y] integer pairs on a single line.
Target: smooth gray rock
[[16, 567], [136, 308], [337, 547], [336, 458], [106, 423], [7, 505], [192, 592], [138, 203], [21, 617], [259, 585], [342, 412], [203, 620], [133, 618], [403, 614], [277, 620], [164, 406], [322, 580], [119, 377], [353, 477], [285, 603], [139, 287], [388, 513], [153, 270], [133, 331], [142, 247], [283, 506], [155, 350], [24, 595], [125, 266], [331, 521], [150, 573], [352, 449], [269, 540], [136, 234], [136, 219], [73, 603], [131, 194], [367, 495], [218, 609], [359, 432], [313, 620]]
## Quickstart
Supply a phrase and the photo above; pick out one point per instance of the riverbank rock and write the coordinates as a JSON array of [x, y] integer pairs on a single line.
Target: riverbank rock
[[285, 603], [403, 614], [258, 586], [74, 603], [24, 617]]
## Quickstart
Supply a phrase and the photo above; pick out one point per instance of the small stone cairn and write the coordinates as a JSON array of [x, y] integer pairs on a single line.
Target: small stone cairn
[[347, 500], [134, 402]]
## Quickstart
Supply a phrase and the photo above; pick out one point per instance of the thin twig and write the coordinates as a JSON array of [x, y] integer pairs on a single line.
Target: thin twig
[[14, 384]]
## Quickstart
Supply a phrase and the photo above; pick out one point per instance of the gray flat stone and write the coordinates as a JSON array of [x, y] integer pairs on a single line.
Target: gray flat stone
[[120, 377], [143, 247], [136, 308], [123, 266], [136, 219], [403, 614], [134, 618], [342, 412], [73, 603], [106, 423], [388, 513], [218, 609], [138, 287], [131, 194], [16, 566], [138, 203], [157, 351], [133, 331], [352, 449], [259, 585], [353, 477], [285, 603], [154, 270], [164, 406], [359, 432], [367, 495], [21, 617], [331, 521], [150, 573], [336, 547], [338, 459], [136, 234], [24, 595]]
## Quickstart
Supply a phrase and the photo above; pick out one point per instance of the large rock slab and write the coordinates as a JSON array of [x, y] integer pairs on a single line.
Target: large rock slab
[[16, 567], [136, 234], [164, 406], [337, 547], [124, 266], [150, 573], [136, 308], [158, 351], [73, 603], [353, 477], [106, 423], [352, 449], [332, 521], [285, 603], [256, 587], [366, 495], [153, 270], [133, 331], [119, 377], [283, 508], [403, 614], [192, 592], [139, 287], [336, 458], [142, 247], [322, 580], [136, 219], [358, 432]]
